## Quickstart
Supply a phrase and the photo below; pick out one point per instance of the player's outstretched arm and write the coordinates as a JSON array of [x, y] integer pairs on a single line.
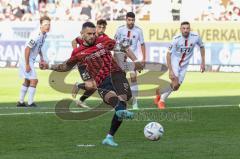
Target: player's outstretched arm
[[63, 67], [76, 57]]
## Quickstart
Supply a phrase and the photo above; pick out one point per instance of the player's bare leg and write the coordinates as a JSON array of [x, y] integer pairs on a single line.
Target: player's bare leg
[[75, 90], [134, 89], [119, 103], [89, 86], [174, 86], [31, 92], [158, 96], [158, 100], [23, 92]]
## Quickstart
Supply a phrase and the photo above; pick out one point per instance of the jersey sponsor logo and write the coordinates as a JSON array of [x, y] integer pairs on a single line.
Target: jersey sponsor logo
[[185, 50], [96, 54], [99, 45]]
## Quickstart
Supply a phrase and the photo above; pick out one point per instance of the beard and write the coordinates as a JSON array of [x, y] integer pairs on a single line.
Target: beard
[[90, 42], [186, 34], [130, 26]]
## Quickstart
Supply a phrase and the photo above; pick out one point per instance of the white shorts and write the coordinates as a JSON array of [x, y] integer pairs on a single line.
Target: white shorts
[[27, 75], [124, 63], [179, 71]]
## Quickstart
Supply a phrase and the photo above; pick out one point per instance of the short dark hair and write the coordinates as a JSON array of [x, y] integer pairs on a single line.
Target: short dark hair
[[88, 25], [130, 15], [185, 23], [102, 22], [44, 18]]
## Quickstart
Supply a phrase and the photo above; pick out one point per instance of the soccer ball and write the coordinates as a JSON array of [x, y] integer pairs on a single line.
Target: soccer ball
[[153, 131]]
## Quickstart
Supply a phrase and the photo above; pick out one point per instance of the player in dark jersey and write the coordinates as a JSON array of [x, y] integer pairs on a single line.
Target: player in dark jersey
[[85, 75], [88, 80], [95, 53]]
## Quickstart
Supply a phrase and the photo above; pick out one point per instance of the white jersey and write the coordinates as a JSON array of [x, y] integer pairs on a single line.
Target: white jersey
[[181, 48], [35, 42], [132, 36]]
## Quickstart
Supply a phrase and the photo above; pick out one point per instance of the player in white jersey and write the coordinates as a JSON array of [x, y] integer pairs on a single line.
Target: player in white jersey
[[26, 62], [178, 57], [130, 35]]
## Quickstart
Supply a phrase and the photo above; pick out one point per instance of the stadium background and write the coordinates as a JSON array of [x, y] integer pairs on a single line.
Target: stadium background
[[221, 36], [202, 119]]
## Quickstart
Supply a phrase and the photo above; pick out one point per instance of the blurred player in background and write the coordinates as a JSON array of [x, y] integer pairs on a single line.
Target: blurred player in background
[[88, 80], [26, 64], [178, 57], [131, 35]]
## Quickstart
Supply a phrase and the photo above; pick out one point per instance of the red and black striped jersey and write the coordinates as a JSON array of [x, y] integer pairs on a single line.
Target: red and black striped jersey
[[98, 58]]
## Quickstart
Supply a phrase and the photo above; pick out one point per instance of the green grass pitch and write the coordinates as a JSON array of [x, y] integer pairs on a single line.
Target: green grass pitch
[[202, 122]]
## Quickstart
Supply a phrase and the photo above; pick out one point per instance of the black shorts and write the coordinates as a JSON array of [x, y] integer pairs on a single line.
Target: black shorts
[[118, 83], [83, 72]]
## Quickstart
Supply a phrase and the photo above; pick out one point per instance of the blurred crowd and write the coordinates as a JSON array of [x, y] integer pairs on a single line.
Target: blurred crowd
[[29, 10], [210, 10], [77, 10]]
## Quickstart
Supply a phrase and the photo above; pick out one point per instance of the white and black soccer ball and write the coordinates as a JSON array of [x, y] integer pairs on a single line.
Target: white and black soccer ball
[[153, 131]]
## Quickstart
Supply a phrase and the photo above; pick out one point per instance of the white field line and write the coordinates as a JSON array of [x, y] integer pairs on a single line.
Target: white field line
[[76, 108], [81, 110], [85, 145]]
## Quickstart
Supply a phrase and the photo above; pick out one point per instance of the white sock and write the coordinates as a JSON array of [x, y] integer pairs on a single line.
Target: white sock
[[166, 93], [134, 89], [31, 94], [23, 92], [109, 135]]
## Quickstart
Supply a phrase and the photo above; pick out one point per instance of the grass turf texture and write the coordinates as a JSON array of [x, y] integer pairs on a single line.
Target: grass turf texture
[[199, 133]]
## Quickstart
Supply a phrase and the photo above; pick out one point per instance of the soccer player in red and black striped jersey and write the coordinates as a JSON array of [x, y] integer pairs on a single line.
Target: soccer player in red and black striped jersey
[[88, 80], [111, 81]]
